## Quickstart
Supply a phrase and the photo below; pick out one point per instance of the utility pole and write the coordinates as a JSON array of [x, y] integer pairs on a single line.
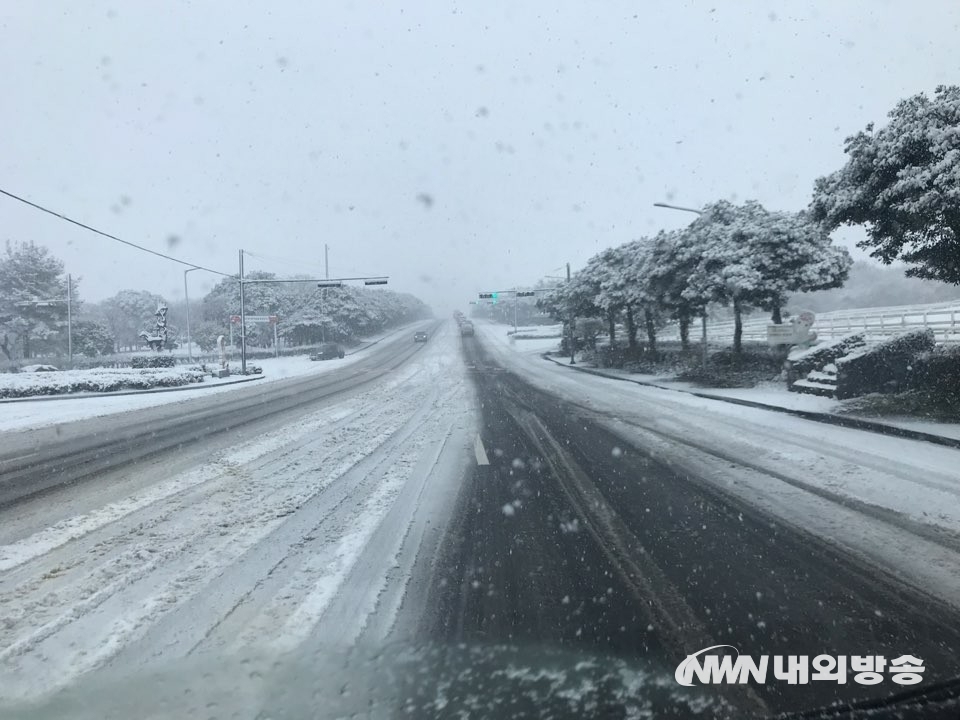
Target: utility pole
[[326, 275], [573, 332], [70, 319], [243, 324], [186, 297], [516, 305]]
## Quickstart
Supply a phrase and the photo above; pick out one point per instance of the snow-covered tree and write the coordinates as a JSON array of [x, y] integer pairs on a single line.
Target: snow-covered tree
[[128, 313], [574, 299], [92, 338], [33, 294], [343, 313], [606, 278], [673, 258], [751, 257], [644, 296], [902, 182]]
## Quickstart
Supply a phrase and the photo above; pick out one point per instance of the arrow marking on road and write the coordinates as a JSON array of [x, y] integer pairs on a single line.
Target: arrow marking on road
[[480, 452]]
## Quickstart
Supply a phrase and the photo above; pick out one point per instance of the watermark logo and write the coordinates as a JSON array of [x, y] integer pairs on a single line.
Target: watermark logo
[[716, 666]]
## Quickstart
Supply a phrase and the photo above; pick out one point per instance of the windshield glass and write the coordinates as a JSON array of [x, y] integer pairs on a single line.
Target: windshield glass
[[479, 359]]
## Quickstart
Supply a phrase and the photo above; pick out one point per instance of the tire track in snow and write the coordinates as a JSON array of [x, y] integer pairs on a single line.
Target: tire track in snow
[[100, 595]]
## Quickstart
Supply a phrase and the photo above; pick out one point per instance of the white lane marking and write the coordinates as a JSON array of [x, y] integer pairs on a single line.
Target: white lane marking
[[480, 452]]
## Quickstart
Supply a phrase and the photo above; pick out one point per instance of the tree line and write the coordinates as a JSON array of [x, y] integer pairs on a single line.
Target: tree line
[[901, 183], [33, 311]]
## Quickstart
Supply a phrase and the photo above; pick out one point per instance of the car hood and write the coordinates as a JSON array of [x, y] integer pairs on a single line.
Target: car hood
[[397, 681]]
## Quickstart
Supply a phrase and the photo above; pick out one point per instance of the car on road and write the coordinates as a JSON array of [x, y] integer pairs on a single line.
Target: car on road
[[420, 336], [38, 368], [466, 329], [328, 351]]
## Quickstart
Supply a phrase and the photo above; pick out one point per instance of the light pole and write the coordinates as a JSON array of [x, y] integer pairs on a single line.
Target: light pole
[[70, 319], [703, 318], [186, 296]]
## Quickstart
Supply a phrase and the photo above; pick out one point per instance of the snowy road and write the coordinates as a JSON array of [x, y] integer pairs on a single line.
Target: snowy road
[[464, 491], [305, 524], [638, 522]]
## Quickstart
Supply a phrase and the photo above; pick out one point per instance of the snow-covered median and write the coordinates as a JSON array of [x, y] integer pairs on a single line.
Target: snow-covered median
[[97, 380]]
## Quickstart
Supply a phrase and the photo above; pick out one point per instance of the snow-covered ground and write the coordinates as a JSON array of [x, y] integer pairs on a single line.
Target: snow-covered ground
[[890, 500], [770, 393], [172, 560], [35, 413]]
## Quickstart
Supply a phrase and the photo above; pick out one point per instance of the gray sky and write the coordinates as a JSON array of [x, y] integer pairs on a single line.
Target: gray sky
[[541, 134]]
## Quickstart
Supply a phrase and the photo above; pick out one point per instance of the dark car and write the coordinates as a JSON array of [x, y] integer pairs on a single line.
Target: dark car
[[328, 351], [466, 328], [420, 336]]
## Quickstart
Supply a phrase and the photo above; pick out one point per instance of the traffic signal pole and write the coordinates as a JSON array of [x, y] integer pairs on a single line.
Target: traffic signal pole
[[493, 296], [243, 324], [326, 282]]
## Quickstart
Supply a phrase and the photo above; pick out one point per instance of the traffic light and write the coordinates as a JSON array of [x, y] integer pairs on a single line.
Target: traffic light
[[488, 296]]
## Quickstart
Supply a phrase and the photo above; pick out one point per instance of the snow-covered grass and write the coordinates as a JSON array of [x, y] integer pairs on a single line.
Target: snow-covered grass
[[528, 340], [18, 385], [767, 393], [537, 332]]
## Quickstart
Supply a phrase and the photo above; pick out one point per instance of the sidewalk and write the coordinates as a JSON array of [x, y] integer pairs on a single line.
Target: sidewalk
[[809, 407]]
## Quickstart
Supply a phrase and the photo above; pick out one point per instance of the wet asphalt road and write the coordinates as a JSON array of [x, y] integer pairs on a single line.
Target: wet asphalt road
[[574, 538]]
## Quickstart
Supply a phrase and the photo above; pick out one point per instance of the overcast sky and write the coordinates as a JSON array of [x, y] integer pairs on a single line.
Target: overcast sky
[[456, 147]]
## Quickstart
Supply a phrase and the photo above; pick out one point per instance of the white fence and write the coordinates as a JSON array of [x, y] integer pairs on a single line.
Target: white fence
[[942, 318]]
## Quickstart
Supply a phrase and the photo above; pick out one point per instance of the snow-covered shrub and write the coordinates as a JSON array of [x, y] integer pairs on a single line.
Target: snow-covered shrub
[[801, 362], [937, 370], [883, 366], [95, 381], [153, 361]]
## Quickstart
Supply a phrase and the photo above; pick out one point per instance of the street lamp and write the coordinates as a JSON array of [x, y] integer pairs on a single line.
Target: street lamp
[[186, 296], [703, 318]]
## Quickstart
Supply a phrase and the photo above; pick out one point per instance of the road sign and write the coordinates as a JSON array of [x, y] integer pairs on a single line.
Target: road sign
[[235, 319], [525, 293], [330, 284], [261, 318], [380, 281]]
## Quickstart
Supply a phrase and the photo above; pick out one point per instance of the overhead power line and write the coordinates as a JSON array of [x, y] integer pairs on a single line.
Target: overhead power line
[[41, 208]]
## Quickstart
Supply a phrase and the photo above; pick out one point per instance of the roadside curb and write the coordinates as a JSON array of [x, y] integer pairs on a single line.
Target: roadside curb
[[827, 418], [82, 396]]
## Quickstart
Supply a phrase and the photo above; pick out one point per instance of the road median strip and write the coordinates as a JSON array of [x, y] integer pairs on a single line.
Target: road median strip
[[81, 396], [828, 418]]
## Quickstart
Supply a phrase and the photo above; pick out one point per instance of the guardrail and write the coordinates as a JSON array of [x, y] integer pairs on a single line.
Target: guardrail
[[942, 318]]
